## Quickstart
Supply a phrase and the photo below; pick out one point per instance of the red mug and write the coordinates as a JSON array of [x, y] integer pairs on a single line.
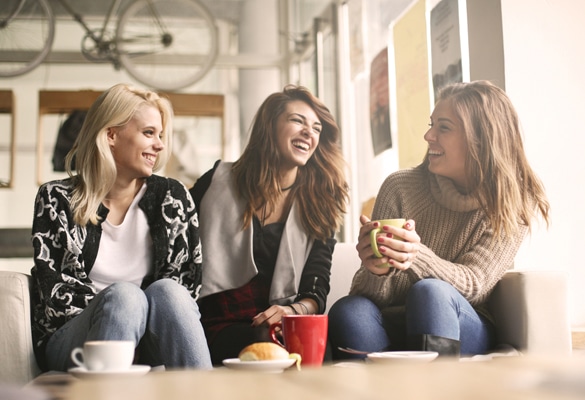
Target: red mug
[[305, 335]]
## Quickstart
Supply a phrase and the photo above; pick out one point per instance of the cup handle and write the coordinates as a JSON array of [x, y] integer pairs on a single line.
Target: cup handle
[[374, 241], [78, 351], [272, 332]]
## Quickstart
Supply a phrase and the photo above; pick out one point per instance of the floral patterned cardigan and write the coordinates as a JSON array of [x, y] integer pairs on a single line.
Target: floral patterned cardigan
[[64, 252]]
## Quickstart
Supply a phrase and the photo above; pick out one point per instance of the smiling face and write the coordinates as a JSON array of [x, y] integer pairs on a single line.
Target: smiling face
[[297, 134], [135, 146], [447, 144]]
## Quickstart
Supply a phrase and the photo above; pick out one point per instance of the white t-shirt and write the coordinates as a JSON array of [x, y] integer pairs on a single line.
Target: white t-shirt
[[125, 252]]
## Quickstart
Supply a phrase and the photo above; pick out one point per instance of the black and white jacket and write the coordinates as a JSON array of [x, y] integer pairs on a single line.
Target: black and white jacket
[[64, 252]]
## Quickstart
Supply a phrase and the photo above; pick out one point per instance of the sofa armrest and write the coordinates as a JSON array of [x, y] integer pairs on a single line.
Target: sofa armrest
[[18, 364], [531, 312]]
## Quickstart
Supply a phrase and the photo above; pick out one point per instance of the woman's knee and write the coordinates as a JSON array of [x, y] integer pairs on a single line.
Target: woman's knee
[[126, 298], [353, 308], [120, 313], [170, 296], [432, 307], [356, 322], [430, 291]]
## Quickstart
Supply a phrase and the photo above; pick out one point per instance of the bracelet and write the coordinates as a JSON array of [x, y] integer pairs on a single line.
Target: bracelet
[[294, 310], [304, 307]]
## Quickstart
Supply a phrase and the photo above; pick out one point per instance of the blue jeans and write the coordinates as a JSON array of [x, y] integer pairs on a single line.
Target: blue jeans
[[163, 319], [433, 307]]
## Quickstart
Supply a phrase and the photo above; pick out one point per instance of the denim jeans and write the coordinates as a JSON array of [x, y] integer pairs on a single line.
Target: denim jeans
[[163, 319], [433, 307]]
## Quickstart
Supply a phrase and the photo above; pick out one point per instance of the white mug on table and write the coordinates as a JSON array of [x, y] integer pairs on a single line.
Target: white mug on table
[[104, 355]]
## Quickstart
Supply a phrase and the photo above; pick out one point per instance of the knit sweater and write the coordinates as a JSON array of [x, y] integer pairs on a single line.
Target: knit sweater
[[457, 242]]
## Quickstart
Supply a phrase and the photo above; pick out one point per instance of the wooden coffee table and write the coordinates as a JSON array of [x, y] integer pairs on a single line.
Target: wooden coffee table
[[502, 378]]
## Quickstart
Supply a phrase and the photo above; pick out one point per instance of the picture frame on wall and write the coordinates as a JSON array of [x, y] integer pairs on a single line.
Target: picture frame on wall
[[446, 44], [380, 103]]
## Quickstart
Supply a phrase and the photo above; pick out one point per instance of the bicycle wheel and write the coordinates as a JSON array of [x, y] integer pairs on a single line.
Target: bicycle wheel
[[26, 36], [166, 44]]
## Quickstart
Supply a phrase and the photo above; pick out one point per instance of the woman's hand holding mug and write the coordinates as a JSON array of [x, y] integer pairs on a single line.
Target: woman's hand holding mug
[[387, 243]]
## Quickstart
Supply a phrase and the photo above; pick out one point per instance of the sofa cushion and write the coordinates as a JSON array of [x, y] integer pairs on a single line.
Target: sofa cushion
[[531, 311], [344, 264], [18, 365]]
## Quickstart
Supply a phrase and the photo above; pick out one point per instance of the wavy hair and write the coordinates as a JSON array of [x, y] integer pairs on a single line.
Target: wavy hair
[[95, 168], [502, 180], [320, 190]]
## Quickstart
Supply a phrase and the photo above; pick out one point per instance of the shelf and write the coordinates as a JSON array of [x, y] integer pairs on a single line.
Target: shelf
[[65, 102], [184, 104]]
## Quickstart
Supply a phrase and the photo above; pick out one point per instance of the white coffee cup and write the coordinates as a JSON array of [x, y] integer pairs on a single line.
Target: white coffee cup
[[104, 355]]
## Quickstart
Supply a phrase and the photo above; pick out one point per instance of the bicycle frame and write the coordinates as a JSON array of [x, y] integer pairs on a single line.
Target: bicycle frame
[[105, 50]]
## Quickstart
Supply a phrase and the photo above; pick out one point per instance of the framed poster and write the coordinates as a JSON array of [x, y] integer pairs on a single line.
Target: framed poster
[[412, 99], [380, 103], [446, 54]]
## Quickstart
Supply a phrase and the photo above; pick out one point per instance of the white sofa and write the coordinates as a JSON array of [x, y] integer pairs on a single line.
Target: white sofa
[[530, 309], [18, 364]]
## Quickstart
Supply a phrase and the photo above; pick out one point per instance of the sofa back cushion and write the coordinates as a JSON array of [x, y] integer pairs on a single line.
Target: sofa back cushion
[[18, 364]]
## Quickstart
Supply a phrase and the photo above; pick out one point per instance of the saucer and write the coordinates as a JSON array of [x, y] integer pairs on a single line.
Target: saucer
[[80, 372], [274, 366], [402, 356]]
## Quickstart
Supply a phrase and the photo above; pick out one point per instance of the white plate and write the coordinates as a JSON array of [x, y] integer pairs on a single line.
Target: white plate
[[80, 372], [264, 366], [402, 356]]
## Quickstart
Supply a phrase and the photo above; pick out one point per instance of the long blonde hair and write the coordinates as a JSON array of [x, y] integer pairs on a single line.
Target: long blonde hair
[[320, 190], [95, 168], [501, 178]]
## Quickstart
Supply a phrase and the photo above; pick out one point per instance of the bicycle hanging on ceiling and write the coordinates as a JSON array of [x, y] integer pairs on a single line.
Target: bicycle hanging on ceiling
[[164, 44]]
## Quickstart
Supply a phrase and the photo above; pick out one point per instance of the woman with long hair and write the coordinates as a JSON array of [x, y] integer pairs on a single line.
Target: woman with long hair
[[473, 200], [268, 222], [116, 248]]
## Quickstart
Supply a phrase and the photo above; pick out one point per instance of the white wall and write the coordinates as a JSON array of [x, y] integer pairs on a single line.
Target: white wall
[[544, 57]]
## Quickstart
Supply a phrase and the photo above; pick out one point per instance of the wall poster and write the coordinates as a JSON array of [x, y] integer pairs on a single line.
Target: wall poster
[[445, 44], [409, 38], [379, 103]]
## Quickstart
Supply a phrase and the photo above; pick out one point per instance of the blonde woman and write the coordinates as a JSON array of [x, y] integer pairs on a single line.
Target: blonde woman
[[116, 249], [268, 222], [468, 206]]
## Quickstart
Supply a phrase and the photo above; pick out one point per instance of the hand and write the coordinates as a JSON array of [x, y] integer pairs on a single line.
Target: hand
[[397, 253], [271, 315]]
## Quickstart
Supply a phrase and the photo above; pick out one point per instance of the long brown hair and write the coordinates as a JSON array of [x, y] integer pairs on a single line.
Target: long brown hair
[[320, 190], [501, 178]]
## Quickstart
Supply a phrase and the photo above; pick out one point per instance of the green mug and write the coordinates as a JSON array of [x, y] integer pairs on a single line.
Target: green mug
[[397, 222]]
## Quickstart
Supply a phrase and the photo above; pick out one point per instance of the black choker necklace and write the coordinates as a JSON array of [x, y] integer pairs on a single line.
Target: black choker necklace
[[287, 188]]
